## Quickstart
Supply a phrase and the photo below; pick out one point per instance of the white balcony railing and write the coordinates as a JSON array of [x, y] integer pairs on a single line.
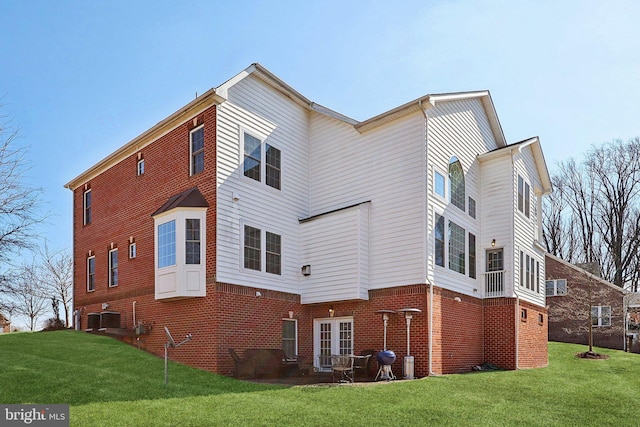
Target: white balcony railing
[[494, 284]]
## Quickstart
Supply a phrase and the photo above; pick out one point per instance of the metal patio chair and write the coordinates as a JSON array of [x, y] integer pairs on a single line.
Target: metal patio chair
[[342, 367]]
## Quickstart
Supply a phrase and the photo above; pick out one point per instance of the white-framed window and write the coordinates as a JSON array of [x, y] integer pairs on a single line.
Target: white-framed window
[[439, 240], [472, 207], [439, 184], [290, 337], [132, 250], [113, 267], [86, 206], [166, 234], [273, 166], [556, 287], [140, 167], [457, 253], [91, 273], [472, 255], [273, 253], [268, 171], [601, 315], [454, 247], [529, 272], [457, 190], [196, 150], [252, 248], [192, 241], [524, 197], [262, 248]]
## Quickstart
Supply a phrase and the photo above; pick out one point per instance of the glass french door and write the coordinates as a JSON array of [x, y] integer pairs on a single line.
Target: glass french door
[[331, 336]]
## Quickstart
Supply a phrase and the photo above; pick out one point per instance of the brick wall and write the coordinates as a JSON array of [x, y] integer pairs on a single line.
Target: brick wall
[[122, 204]]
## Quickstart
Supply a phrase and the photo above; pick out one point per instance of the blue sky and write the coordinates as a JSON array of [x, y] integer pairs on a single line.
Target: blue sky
[[82, 78]]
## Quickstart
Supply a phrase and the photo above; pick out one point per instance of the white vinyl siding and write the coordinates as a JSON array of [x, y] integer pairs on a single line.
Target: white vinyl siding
[[460, 129], [336, 246], [390, 172], [275, 120]]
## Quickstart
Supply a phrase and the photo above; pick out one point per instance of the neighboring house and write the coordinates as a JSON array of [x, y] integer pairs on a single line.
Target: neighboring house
[[576, 297], [633, 322], [5, 325], [253, 217]]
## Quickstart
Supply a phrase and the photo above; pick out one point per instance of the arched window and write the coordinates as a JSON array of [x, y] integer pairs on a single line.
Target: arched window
[[456, 183]]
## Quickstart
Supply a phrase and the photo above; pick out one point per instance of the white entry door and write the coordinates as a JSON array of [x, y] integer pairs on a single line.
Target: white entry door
[[331, 336]]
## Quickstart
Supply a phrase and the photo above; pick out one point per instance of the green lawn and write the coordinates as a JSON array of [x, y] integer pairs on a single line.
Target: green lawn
[[108, 383]]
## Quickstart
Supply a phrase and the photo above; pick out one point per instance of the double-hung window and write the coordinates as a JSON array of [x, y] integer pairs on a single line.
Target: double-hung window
[[196, 145], [113, 267], [290, 337], [601, 315], [529, 272], [91, 273], [268, 171], [86, 206], [192, 241], [258, 244]]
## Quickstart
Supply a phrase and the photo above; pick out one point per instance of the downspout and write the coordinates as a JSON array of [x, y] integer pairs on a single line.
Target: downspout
[[513, 275], [134, 314], [430, 304]]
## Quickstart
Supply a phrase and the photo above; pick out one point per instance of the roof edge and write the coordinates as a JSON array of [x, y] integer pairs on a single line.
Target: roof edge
[[163, 127]]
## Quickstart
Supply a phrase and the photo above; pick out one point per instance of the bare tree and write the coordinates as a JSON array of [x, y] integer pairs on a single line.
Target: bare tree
[[596, 216], [28, 294], [559, 234], [19, 202], [55, 269]]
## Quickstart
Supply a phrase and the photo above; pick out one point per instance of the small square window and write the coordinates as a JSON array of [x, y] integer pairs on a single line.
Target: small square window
[[523, 314], [541, 318], [132, 250], [140, 167]]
